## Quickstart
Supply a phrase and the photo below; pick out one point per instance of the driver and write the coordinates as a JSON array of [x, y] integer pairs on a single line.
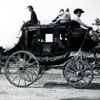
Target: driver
[[79, 29], [77, 22]]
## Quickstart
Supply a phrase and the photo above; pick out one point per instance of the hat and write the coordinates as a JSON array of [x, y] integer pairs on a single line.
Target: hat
[[78, 10]]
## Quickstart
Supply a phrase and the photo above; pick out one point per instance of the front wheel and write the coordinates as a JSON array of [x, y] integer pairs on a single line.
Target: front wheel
[[78, 73], [22, 69]]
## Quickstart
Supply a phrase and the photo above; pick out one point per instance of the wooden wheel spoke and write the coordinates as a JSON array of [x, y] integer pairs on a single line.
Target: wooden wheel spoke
[[18, 56], [66, 73], [30, 64], [80, 66], [73, 80], [24, 56], [71, 76], [20, 79], [35, 69], [32, 72], [24, 78], [11, 73], [70, 70], [14, 58], [34, 63], [87, 75], [30, 57], [83, 69], [28, 77], [14, 78], [17, 72], [74, 66], [76, 82], [84, 81]]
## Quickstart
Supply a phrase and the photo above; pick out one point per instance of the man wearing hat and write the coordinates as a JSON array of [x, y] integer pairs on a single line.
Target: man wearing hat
[[79, 30], [77, 23]]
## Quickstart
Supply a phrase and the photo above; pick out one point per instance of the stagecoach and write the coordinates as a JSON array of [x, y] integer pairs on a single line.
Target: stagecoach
[[43, 47]]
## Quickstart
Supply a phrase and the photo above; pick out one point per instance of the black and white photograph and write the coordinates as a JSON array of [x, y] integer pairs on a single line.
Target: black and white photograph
[[49, 50]]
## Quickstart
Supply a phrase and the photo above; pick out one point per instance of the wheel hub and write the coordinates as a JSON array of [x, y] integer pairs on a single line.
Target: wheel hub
[[79, 74], [22, 68]]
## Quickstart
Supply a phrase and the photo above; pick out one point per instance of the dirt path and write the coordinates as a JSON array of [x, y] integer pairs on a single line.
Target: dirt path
[[52, 86]]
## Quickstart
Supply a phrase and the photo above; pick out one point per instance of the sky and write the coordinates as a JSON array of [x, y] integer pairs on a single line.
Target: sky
[[14, 12]]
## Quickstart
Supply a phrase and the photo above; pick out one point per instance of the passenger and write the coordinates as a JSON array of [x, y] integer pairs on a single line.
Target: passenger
[[33, 21], [66, 17], [56, 20], [65, 20], [33, 18]]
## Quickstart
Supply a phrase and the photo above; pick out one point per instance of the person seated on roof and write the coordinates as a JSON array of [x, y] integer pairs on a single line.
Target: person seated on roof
[[56, 20], [33, 18], [32, 22], [66, 17], [63, 18]]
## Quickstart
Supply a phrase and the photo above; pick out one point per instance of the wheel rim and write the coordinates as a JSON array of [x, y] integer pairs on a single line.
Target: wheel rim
[[41, 73], [78, 74], [22, 69], [97, 59]]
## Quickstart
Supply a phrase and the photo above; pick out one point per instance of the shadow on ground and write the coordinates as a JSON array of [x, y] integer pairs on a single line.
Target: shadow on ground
[[92, 86], [79, 99], [56, 85]]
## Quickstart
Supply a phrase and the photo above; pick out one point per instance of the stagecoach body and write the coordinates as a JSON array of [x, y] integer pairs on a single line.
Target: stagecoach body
[[42, 47], [45, 42]]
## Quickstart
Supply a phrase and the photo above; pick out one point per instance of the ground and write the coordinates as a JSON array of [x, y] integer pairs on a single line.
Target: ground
[[52, 86]]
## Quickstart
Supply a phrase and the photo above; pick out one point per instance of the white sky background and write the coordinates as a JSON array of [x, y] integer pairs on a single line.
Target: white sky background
[[14, 12]]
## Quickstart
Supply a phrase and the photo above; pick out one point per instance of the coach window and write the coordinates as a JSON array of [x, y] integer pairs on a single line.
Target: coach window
[[49, 37]]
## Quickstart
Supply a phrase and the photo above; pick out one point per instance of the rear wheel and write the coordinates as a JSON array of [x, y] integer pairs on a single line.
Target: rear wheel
[[22, 69]]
